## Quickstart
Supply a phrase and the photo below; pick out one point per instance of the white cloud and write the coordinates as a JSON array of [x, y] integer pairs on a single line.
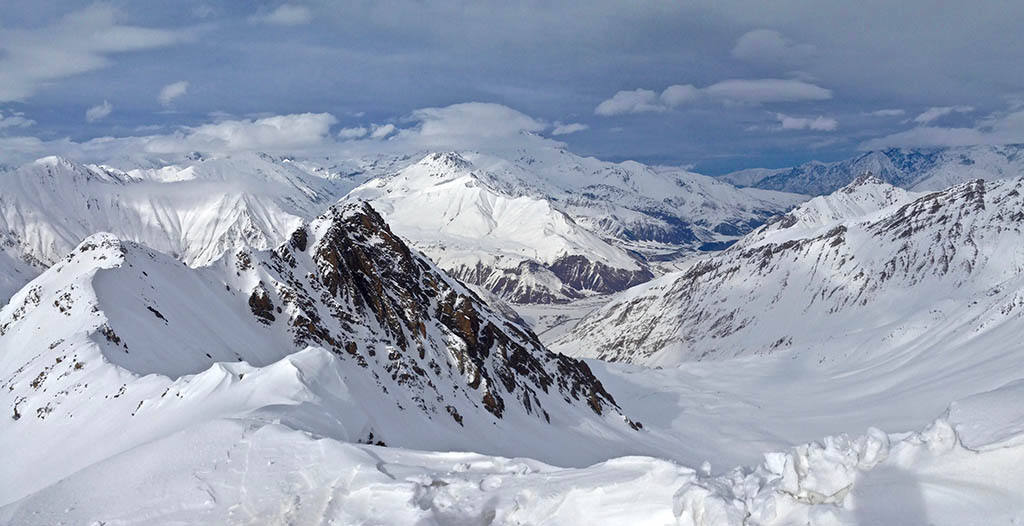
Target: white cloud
[[755, 91], [818, 123], [1002, 128], [381, 131], [172, 91], [566, 129], [938, 112], [285, 15], [633, 101], [79, 42], [479, 119], [276, 133], [643, 100], [469, 126], [759, 91], [767, 45], [477, 126], [15, 120], [679, 94], [353, 133], [894, 112], [98, 111]]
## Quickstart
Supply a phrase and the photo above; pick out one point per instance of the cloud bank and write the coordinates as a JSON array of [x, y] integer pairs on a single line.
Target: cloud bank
[[737, 91]]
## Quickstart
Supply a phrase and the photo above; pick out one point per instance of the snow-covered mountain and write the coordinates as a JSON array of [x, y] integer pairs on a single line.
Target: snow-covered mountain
[[196, 210], [544, 226], [549, 226], [341, 331], [855, 274], [914, 169]]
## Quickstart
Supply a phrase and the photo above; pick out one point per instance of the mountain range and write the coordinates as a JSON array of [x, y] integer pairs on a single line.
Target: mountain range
[[922, 169], [548, 226], [250, 338], [905, 269]]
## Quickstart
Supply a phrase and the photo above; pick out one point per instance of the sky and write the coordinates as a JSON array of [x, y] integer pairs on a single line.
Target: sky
[[714, 85]]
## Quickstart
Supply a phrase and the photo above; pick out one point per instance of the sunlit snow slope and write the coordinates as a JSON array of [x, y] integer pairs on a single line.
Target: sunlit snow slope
[[548, 226], [342, 331], [859, 274]]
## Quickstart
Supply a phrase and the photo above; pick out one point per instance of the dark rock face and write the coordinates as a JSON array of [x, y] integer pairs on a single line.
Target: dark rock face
[[578, 276], [262, 307], [359, 291], [580, 273]]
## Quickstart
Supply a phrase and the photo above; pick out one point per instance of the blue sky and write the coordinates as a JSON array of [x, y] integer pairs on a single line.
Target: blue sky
[[719, 85]]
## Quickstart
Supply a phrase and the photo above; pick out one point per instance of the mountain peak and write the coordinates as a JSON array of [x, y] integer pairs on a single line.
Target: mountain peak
[[55, 160], [864, 179], [446, 160]]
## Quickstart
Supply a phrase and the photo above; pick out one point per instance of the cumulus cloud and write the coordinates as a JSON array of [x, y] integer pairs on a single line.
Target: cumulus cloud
[[285, 15], [479, 119], [753, 91], [353, 133], [630, 101], [565, 129], [819, 123], [276, 133], [1001, 128], [79, 42], [15, 120], [767, 45], [172, 91], [679, 94], [382, 131], [893, 112], [643, 100], [99, 111], [478, 126], [937, 112]]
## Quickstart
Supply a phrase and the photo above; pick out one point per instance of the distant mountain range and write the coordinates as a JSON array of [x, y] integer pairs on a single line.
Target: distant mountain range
[[913, 169], [541, 226]]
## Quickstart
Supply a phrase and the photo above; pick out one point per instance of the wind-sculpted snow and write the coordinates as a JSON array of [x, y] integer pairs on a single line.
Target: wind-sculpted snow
[[942, 267], [551, 227], [253, 471], [342, 331]]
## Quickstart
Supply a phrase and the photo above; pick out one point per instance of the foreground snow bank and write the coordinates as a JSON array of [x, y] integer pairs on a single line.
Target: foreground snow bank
[[962, 469], [244, 471]]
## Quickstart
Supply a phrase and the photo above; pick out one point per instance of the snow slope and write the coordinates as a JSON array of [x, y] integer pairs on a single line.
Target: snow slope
[[916, 169], [243, 471], [341, 331], [941, 268]]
